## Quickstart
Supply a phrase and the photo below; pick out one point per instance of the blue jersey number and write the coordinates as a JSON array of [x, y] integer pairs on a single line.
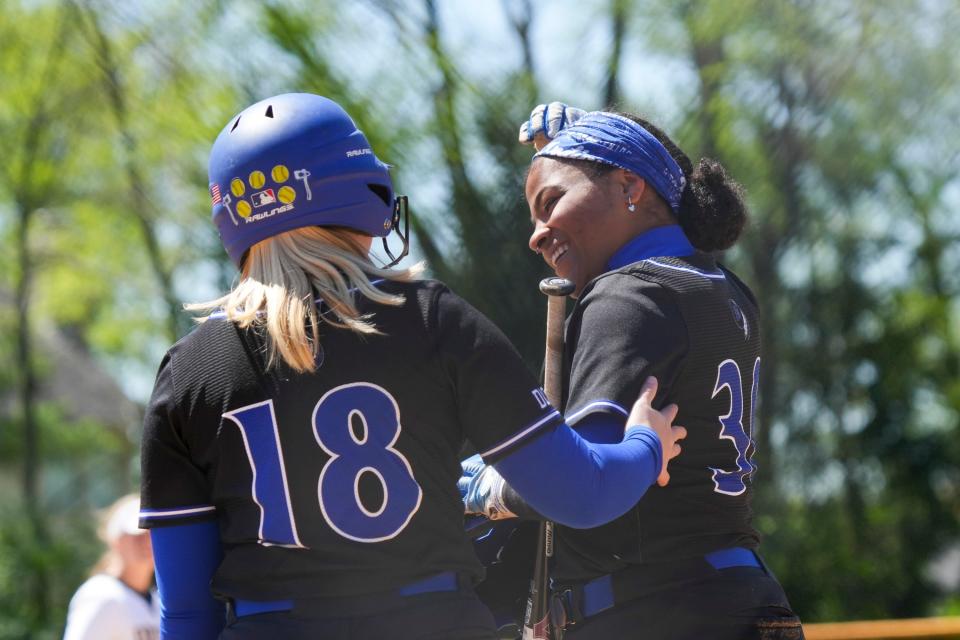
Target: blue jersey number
[[732, 483], [352, 455], [258, 427]]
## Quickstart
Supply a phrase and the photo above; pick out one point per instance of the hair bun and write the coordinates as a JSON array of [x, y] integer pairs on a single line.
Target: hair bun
[[712, 212]]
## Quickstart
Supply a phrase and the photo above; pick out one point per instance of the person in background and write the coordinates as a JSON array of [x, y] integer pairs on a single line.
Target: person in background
[[118, 601]]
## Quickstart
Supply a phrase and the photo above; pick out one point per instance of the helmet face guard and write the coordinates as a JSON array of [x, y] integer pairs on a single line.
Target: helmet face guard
[[400, 213], [298, 160]]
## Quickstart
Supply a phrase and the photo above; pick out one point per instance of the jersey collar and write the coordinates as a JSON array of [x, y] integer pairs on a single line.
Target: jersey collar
[[659, 242]]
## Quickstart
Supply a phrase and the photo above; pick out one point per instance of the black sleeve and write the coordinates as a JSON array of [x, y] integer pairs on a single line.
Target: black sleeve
[[501, 406], [173, 489], [623, 330]]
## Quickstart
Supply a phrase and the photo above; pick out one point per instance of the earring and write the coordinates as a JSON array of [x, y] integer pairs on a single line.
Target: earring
[[630, 206]]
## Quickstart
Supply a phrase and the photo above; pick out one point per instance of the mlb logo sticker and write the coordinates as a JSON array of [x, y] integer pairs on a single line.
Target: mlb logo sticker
[[263, 198]]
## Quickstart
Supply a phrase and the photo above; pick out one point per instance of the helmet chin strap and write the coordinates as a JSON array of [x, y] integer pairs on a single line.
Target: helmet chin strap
[[400, 212]]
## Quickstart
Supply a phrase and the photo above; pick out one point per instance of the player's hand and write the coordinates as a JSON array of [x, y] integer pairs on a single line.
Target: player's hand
[[546, 121], [661, 422], [481, 488], [469, 468]]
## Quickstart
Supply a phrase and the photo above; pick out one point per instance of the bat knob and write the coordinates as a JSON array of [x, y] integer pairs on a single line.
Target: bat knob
[[556, 286]]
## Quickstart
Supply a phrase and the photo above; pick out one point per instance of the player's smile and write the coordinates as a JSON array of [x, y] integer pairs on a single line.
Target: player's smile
[[558, 252], [579, 220]]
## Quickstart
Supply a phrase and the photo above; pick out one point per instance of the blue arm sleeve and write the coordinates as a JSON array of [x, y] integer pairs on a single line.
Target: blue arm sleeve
[[582, 484], [604, 428], [186, 557]]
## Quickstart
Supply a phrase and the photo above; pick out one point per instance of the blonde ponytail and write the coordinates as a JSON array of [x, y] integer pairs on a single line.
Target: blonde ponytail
[[283, 275]]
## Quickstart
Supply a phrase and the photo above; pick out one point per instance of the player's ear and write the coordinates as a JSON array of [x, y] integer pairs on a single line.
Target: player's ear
[[632, 185]]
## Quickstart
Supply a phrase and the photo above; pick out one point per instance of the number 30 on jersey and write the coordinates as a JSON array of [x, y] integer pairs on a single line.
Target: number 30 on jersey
[[351, 456]]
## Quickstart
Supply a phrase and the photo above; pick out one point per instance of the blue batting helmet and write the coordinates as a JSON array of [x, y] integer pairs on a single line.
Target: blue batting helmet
[[295, 160]]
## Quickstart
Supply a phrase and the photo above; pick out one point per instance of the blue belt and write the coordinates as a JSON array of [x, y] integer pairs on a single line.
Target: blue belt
[[733, 557], [602, 593], [446, 581]]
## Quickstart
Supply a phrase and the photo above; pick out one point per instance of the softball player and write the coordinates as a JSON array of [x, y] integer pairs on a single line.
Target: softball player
[[620, 210], [299, 456]]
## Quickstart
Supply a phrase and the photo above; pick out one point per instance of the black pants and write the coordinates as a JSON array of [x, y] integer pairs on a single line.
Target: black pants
[[434, 616], [737, 603]]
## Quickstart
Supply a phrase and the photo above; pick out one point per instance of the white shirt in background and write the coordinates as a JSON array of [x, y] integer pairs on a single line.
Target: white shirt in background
[[104, 608]]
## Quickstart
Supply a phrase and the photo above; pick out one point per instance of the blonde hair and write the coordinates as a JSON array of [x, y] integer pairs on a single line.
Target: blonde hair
[[283, 275]]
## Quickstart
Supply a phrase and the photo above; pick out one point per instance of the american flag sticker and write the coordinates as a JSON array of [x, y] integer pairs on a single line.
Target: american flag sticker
[[215, 193]]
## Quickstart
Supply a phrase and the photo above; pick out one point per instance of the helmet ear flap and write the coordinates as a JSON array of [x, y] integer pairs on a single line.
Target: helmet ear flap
[[401, 213]]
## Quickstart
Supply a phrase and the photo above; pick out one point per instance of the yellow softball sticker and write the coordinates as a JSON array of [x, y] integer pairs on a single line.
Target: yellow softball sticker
[[243, 208], [256, 179], [280, 174], [237, 187], [286, 195]]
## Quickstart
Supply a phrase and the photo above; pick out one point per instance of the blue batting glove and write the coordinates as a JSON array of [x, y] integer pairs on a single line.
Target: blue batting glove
[[546, 121]]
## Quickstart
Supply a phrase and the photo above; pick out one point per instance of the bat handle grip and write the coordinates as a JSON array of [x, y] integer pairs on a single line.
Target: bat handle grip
[[553, 362]]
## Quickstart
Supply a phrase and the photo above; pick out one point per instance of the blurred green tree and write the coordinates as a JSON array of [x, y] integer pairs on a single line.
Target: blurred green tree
[[92, 240]]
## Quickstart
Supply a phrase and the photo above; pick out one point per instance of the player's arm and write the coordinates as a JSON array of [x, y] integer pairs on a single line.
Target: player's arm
[[581, 484], [186, 557], [175, 506], [624, 329], [563, 477], [485, 491]]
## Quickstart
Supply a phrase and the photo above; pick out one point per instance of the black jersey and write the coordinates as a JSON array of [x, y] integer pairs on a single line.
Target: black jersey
[[341, 482], [693, 325]]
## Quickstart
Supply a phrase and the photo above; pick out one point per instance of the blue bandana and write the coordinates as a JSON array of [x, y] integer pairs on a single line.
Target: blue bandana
[[611, 139]]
